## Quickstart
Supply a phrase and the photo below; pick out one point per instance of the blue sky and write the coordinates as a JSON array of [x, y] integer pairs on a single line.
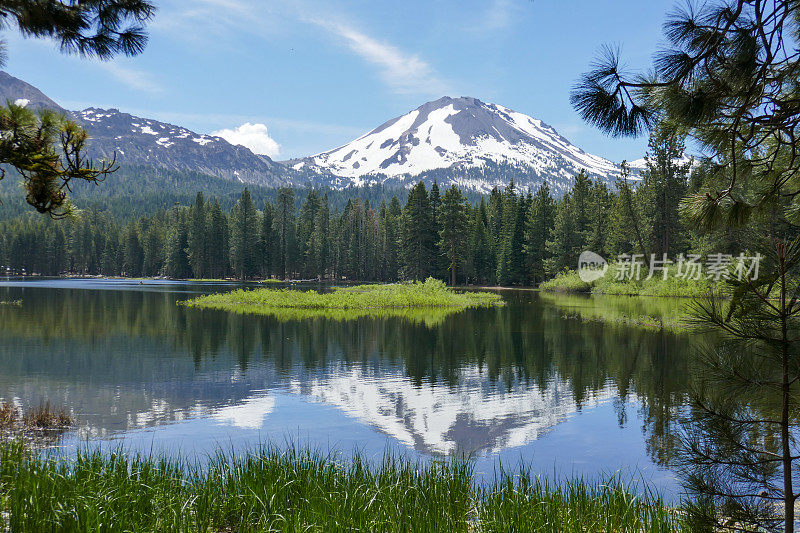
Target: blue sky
[[318, 73]]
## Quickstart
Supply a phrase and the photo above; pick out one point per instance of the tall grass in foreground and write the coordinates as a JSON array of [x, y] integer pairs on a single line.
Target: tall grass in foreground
[[293, 489]]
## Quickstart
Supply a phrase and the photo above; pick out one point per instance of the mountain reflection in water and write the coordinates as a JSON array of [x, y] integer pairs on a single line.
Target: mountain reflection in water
[[480, 381]]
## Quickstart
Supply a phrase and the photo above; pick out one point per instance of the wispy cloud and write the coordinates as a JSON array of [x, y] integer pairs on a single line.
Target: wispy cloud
[[404, 73], [498, 15], [134, 78], [225, 20]]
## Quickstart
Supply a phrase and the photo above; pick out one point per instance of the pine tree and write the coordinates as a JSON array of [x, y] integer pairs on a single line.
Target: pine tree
[[566, 241], [319, 242], [495, 226], [600, 206], [481, 262], [626, 235], [582, 199], [152, 249], [134, 255], [538, 228], [285, 226], [218, 243], [112, 253], [177, 265], [418, 244], [244, 237], [390, 217], [439, 267], [268, 241], [198, 238], [727, 78], [453, 223], [663, 186], [510, 259], [305, 227]]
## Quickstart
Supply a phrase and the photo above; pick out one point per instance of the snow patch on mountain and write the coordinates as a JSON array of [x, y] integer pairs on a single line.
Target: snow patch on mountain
[[459, 134]]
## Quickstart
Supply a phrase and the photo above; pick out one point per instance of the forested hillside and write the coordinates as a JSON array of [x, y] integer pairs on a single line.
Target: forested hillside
[[510, 237]]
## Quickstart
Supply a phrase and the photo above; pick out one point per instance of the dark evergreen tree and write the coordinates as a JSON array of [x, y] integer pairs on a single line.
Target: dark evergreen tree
[[198, 238], [152, 249], [244, 238], [319, 242], [563, 248], [218, 256], [453, 234], [305, 228], [439, 268], [134, 255], [511, 258], [663, 187], [600, 206], [177, 263], [418, 248], [481, 265], [539, 225], [268, 241], [285, 226]]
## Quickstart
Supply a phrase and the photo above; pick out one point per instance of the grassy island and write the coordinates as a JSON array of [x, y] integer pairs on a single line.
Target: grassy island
[[428, 300], [272, 489]]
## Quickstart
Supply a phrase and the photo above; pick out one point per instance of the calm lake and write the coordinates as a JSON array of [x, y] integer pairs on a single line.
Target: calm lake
[[526, 382]]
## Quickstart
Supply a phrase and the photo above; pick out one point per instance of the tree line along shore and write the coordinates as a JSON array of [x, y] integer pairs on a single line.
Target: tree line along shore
[[510, 237]]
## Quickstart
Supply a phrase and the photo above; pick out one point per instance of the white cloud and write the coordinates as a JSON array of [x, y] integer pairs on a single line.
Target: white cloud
[[134, 78], [252, 136], [403, 72]]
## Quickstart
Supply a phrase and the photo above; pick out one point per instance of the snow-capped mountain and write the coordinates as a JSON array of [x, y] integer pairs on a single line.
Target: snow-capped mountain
[[143, 141], [463, 141], [146, 142]]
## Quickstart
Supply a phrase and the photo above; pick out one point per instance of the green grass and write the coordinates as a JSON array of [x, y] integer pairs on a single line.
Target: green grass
[[428, 301], [569, 281], [296, 490]]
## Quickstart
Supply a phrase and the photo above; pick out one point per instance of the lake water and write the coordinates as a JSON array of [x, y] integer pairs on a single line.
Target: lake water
[[529, 381]]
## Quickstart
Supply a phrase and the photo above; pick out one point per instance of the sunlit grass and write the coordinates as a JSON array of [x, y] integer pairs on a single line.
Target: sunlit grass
[[672, 286], [293, 489], [428, 301], [523, 501]]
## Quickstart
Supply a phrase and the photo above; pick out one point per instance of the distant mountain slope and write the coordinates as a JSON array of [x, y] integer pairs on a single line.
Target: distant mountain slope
[[13, 89], [142, 141], [460, 140], [463, 141]]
